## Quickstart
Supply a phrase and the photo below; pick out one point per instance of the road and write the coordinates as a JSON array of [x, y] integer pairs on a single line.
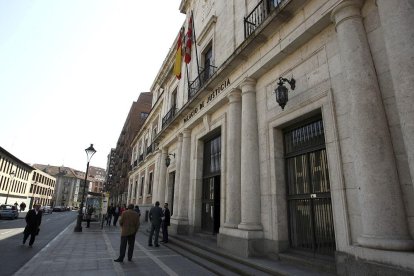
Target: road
[[13, 254]]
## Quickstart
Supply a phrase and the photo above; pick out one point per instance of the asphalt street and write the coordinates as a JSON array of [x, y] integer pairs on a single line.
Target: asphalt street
[[13, 254]]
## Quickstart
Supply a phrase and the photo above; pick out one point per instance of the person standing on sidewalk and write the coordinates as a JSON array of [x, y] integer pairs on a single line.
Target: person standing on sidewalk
[[129, 223], [155, 216], [89, 213], [117, 212], [33, 221], [165, 223], [109, 214]]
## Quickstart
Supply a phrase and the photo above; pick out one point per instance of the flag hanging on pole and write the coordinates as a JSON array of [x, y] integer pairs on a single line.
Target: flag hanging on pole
[[179, 55], [189, 40]]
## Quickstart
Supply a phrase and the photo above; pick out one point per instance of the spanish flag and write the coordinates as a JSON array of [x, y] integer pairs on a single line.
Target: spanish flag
[[179, 55]]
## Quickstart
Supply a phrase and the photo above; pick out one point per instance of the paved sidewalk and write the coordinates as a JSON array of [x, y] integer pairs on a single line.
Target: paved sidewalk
[[92, 253]]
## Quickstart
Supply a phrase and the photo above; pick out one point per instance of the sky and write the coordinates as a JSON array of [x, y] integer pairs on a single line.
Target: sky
[[70, 70]]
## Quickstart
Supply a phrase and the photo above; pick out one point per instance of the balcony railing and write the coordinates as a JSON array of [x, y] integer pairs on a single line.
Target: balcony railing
[[169, 116], [141, 158], [150, 148], [201, 79], [259, 14], [135, 163]]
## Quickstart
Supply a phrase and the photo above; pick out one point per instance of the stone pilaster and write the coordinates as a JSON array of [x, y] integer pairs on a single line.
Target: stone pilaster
[[177, 177], [184, 177], [250, 174], [397, 21], [233, 146], [384, 223], [162, 169]]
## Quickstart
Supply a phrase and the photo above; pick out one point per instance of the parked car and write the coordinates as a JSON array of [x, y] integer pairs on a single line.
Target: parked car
[[46, 209], [8, 211], [58, 209]]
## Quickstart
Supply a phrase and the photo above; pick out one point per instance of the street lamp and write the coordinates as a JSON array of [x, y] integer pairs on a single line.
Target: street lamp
[[168, 159], [89, 153], [12, 174]]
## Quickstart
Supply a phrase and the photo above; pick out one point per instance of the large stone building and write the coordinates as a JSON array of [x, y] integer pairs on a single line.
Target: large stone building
[[119, 158], [15, 179], [330, 173]]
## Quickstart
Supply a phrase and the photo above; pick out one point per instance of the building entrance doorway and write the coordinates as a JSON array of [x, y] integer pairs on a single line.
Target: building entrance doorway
[[311, 225], [210, 207]]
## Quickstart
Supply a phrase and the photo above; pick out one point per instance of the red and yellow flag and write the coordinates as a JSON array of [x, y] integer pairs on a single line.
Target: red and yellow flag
[[179, 55], [187, 56]]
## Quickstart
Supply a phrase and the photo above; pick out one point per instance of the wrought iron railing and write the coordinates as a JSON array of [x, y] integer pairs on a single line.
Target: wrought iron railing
[[258, 15], [135, 163], [141, 158], [169, 116], [204, 75], [150, 148]]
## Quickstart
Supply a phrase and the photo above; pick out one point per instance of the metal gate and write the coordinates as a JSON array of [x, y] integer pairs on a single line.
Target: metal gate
[[308, 193], [210, 202]]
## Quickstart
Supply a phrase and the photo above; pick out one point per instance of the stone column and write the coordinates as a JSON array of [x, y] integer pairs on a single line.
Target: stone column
[[233, 146], [145, 190], [397, 21], [384, 223], [250, 174], [177, 175], [162, 168], [184, 176]]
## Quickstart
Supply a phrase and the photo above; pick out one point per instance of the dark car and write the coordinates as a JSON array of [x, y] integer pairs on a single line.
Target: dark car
[[8, 211], [58, 209]]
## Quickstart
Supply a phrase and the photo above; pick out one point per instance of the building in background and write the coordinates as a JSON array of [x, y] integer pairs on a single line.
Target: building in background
[[42, 188], [15, 179], [117, 176], [98, 176]]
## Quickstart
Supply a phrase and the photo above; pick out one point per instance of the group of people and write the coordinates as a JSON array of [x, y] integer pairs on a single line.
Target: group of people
[[130, 222]]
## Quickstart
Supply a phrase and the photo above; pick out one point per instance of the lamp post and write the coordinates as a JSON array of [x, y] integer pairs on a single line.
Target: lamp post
[[12, 174], [89, 153], [168, 159]]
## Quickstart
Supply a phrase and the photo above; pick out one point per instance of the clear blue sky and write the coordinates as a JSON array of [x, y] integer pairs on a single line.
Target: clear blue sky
[[70, 70]]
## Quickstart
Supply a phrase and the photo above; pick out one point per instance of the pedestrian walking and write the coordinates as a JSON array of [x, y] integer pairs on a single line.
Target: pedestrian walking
[[22, 206], [165, 223], [136, 209], [155, 216], [33, 221], [129, 223], [109, 214], [89, 213], [117, 212]]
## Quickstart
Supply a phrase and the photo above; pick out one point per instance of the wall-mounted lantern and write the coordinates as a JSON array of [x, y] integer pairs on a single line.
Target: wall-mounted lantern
[[282, 92], [168, 159]]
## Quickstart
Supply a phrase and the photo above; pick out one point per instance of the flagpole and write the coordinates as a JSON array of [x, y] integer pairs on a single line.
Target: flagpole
[[195, 45]]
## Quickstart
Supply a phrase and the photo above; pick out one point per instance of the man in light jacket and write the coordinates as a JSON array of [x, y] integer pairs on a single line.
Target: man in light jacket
[[129, 223]]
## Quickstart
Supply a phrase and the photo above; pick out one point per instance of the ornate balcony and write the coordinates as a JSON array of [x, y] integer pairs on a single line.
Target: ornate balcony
[[259, 14], [169, 116], [202, 78]]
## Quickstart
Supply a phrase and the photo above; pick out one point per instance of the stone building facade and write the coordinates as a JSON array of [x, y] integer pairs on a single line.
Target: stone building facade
[[332, 173], [42, 188]]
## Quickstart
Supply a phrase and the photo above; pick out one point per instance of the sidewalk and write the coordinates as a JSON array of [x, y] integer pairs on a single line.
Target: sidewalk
[[92, 253]]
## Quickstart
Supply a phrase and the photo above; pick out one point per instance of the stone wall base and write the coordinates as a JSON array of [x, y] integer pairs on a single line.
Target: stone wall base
[[347, 264], [179, 229], [240, 246]]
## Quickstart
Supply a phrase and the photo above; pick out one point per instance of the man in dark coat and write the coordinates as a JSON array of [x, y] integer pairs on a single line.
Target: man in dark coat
[[155, 216], [165, 223], [33, 221]]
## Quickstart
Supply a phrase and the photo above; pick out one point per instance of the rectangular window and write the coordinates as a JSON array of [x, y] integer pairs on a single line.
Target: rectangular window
[[150, 184], [142, 186]]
